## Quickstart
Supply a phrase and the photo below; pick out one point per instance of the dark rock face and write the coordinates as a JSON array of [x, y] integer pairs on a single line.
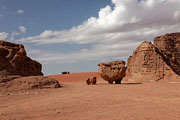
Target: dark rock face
[[156, 62], [112, 71], [13, 61], [169, 46]]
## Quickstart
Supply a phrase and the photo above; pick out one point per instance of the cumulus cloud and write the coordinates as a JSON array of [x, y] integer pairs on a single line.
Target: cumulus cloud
[[20, 11], [13, 35], [3, 35], [22, 29], [97, 52], [121, 26]]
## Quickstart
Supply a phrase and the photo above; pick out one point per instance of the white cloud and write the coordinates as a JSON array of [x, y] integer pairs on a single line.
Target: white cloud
[[13, 35], [20, 11], [116, 31], [125, 16], [22, 29], [104, 52], [3, 35]]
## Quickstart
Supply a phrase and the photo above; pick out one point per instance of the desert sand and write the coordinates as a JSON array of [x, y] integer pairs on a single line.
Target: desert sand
[[77, 101]]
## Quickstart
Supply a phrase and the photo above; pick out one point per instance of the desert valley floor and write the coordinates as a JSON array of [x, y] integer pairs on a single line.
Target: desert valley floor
[[77, 101]]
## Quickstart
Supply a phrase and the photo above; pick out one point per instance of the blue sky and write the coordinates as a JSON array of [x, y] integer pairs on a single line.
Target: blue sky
[[76, 35], [40, 15]]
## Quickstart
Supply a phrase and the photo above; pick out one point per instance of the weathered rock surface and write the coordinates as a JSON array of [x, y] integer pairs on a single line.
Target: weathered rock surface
[[14, 83], [112, 71], [15, 66], [169, 46], [14, 61], [160, 61]]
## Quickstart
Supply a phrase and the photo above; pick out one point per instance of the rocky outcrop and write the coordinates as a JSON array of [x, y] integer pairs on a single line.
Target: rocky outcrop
[[112, 71], [15, 83], [15, 66], [154, 62], [14, 61], [169, 47]]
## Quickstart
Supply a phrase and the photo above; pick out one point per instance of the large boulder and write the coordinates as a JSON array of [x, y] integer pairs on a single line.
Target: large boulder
[[14, 61], [155, 62], [112, 71]]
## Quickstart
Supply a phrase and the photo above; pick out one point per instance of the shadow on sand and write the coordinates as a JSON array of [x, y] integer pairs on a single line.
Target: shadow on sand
[[130, 83], [118, 84]]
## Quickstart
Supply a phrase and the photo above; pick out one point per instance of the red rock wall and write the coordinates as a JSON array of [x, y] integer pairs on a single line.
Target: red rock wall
[[169, 46], [156, 62], [13, 61]]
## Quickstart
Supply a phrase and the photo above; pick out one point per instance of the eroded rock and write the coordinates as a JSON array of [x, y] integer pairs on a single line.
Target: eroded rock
[[90, 81], [27, 83], [19, 72], [112, 71], [155, 62], [169, 46], [14, 61]]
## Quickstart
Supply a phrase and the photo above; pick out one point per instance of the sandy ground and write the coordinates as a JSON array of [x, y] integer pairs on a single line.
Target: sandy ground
[[78, 101]]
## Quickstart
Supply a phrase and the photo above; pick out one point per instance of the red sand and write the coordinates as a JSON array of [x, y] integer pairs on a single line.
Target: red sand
[[78, 101], [75, 77]]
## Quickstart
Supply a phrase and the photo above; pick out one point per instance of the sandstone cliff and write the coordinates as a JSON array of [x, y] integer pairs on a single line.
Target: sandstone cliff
[[14, 61], [15, 66], [154, 62]]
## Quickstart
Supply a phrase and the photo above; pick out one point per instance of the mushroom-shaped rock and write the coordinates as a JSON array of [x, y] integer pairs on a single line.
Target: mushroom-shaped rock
[[112, 71]]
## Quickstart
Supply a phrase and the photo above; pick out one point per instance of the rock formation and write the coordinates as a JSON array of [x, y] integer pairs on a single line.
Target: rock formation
[[91, 81], [112, 71], [14, 61], [15, 83], [169, 46], [15, 66], [154, 62]]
